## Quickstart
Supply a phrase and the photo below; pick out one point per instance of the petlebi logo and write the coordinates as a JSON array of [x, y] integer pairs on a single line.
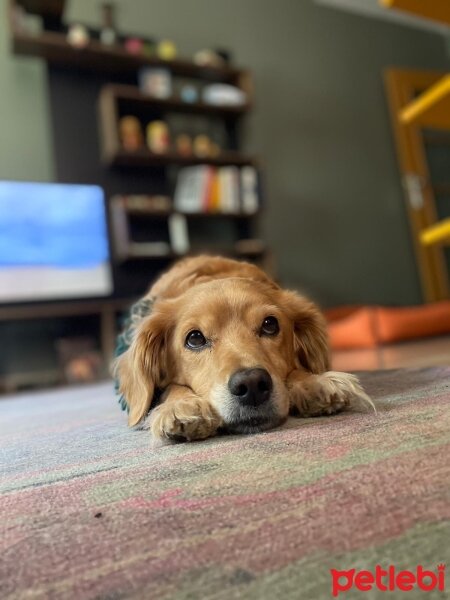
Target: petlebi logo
[[388, 580]]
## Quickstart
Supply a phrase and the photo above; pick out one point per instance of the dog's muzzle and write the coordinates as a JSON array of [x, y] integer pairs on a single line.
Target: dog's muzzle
[[252, 408]]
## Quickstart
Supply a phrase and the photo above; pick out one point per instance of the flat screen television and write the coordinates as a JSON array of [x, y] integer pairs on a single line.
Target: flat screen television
[[53, 242]]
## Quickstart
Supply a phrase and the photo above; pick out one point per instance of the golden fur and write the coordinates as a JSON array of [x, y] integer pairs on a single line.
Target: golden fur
[[227, 301]]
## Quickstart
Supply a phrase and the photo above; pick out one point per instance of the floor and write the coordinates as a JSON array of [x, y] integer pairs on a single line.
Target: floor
[[90, 510], [429, 352]]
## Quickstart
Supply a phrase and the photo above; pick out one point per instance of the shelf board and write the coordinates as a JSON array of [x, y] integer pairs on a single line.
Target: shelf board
[[66, 308], [211, 251], [53, 47], [134, 98], [434, 10], [431, 108], [189, 215], [145, 158]]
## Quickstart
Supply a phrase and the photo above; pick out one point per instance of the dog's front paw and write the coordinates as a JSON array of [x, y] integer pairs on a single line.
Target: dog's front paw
[[327, 394], [184, 419]]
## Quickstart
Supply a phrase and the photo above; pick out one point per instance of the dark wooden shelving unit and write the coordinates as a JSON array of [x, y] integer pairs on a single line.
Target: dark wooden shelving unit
[[107, 310], [87, 149], [97, 62]]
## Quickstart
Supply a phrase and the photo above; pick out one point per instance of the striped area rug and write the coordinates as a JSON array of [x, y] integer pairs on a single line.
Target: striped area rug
[[88, 510]]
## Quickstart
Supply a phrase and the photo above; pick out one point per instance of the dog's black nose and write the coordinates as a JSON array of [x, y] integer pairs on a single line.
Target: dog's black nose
[[251, 387]]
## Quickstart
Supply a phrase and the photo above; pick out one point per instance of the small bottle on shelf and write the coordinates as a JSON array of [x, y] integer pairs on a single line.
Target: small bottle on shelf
[[108, 33]]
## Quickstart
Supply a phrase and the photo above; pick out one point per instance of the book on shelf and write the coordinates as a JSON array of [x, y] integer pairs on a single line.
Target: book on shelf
[[228, 190], [179, 234], [250, 190], [119, 228], [190, 189], [124, 245]]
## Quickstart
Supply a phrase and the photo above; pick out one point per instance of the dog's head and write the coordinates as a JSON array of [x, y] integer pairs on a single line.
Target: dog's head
[[233, 342]]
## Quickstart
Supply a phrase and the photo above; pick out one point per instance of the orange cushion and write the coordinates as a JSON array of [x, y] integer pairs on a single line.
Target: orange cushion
[[357, 330], [368, 326], [407, 323]]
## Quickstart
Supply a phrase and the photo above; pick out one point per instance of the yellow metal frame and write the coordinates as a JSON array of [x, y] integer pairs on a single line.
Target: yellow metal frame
[[436, 234], [431, 108], [402, 86], [435, 10]]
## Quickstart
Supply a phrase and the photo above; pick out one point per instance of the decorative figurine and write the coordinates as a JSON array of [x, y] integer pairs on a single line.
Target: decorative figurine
[[214, 150], [134, 45], [223, 94], [224, 54], [149, 48], [166, 50], [78, 36], [208, 58], [108, 33], [183, 144], [130, 131], [156, 83], [189, 94], [202, 146], [158, 137]]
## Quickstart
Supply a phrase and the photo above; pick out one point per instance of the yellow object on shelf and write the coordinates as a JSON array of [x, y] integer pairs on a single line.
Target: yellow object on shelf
[[438, 233], [431, 108], [435, 10]]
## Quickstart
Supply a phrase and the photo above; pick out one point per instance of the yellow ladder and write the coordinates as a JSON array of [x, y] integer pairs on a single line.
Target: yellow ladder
[[432, 107], [435, 10]]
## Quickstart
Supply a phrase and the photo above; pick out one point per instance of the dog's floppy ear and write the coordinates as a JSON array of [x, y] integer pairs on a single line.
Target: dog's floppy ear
[[142, 368], [310, 332]]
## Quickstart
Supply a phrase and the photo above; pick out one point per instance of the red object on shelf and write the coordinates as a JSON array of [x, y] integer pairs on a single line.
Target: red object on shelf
[[352, 327], [134, 45]]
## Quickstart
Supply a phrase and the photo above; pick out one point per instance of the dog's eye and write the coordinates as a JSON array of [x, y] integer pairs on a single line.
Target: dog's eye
[[269, 326], [195, 340]]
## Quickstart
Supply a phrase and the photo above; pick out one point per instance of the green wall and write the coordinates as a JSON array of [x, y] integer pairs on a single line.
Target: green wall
[[25, 147], [335, 216]]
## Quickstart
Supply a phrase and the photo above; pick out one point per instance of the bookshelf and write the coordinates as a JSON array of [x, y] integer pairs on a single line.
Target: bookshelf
[[103, 314], [118, 93]]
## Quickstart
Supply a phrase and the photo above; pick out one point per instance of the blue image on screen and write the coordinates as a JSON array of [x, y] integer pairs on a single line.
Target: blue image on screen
[[52, 225]]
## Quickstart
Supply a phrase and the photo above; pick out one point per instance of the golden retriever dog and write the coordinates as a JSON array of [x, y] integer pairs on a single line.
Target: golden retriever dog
[[224, 349]]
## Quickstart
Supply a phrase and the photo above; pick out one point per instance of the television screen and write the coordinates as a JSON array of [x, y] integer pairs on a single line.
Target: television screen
[[53, 242]]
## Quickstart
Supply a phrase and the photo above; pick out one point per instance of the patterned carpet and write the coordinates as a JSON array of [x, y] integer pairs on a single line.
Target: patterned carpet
[[89, 511]]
